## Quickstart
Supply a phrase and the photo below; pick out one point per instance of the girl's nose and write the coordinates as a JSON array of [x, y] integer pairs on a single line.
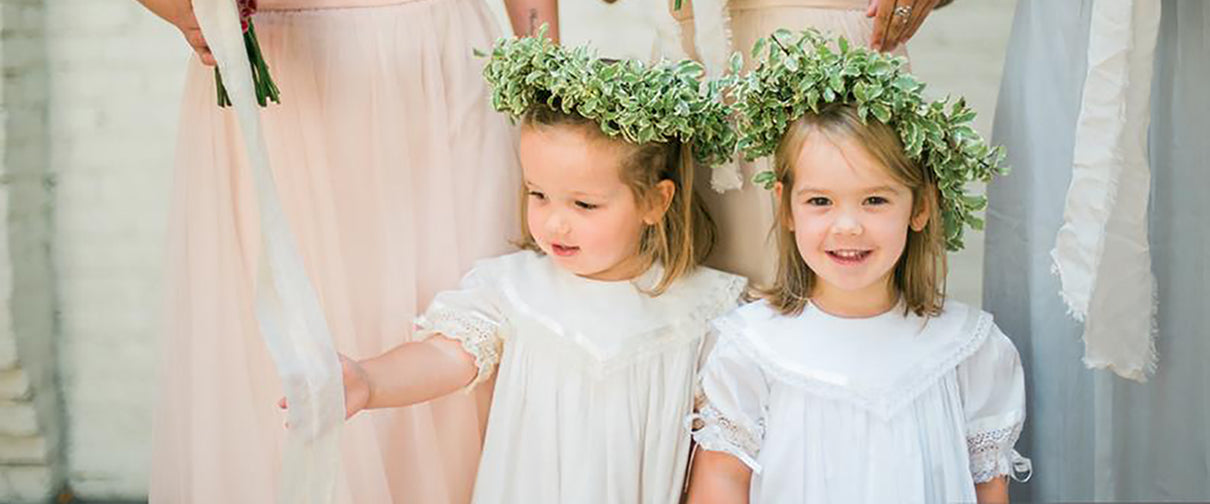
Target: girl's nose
[[847, 224], [557, 225]]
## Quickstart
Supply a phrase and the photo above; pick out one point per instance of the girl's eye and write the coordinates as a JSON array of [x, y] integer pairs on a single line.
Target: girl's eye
[[876, 200], [537, 195], [819, 201], [586, 206]]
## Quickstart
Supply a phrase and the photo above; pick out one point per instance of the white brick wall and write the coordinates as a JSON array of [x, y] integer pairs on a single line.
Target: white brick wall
[[115, 81], [30, 466]]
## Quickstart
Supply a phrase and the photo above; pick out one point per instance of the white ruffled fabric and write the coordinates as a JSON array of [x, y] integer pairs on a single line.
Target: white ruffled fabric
[[890, 408], [1101, 254], [593, 378], [291, 320]]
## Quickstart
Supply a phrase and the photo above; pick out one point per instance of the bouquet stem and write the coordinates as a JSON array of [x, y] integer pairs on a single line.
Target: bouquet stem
[[266, 90]]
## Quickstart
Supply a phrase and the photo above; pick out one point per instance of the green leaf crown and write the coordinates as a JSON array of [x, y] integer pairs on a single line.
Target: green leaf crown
[[626, 98], [803, 72]]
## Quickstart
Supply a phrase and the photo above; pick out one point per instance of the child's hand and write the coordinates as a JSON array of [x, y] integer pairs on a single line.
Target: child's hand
[[357, 388]]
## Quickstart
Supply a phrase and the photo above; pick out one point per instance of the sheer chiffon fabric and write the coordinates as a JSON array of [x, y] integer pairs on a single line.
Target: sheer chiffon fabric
[[395, 175]]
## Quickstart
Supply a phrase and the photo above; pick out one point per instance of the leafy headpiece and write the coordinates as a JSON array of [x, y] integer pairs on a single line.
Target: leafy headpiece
[[800, 73], [626, 98]]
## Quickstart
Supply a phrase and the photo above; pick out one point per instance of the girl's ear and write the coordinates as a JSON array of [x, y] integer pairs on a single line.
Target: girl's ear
[[783, 210], [661, 199], [922, 216]]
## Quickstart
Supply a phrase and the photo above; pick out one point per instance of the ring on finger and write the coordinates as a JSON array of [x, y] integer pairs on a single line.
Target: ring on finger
[[903, 12]]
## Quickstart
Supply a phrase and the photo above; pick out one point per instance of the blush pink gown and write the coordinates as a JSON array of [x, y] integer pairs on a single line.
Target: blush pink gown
[[395, 175]]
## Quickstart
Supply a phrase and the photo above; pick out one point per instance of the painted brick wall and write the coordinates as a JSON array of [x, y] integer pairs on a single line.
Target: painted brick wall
[[115, 75], [30, 412]]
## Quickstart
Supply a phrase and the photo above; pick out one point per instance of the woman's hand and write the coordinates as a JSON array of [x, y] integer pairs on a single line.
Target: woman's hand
[[895, 21], [180, 14]]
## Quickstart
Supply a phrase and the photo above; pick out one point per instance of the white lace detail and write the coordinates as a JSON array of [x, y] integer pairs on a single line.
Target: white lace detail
[[724, 298], [478, 336], [992, 455], [715, 432], [880, 403]]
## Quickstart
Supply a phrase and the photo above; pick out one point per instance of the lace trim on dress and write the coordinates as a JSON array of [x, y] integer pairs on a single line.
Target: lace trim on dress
[[723, 299], [715, 432], [478, 336], [992, 455], [883, 403]]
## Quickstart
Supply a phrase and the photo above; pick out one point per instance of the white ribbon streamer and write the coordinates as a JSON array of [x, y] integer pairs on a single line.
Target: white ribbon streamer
[[291, 319], [1101, 253]]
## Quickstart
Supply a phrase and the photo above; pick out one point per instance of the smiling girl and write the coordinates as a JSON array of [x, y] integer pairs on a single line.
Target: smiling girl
[[854, 380]]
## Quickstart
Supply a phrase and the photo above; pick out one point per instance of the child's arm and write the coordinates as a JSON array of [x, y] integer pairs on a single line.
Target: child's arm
[[993, 491], [408, 374], [992, 386], [718, 477]]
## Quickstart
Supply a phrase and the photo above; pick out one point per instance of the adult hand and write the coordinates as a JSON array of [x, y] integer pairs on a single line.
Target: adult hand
[[180, 14], [895, 21]]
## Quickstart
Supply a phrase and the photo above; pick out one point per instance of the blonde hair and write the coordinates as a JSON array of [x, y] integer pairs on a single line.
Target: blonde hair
[[685, 234], [919, 274]]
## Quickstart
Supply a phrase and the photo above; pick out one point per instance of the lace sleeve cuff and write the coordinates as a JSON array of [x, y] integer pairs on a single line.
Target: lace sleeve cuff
[[478, 335], [992, 455], [715, 432]]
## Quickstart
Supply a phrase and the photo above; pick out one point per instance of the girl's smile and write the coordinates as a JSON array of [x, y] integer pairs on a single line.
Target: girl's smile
[[849, 257]]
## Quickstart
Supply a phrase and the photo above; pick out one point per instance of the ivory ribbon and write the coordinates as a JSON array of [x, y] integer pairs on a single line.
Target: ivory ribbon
[[1101, 253], [291, 319]]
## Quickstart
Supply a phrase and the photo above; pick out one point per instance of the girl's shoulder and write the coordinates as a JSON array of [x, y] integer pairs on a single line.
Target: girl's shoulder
[[530, 285], [521, 261], [714, 292], [880, 363]]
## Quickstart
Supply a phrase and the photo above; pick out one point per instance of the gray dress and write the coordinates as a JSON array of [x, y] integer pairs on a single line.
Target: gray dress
[[1092, 435]]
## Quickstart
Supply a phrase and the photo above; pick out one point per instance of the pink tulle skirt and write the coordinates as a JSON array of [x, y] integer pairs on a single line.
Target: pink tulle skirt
[[395, 175]]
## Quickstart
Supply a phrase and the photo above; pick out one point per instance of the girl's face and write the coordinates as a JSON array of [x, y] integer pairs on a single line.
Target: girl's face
[[579, 210], [850, 221]]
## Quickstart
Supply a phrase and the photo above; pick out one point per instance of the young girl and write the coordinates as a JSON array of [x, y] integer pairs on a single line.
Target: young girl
[[593, 333], [745, 215], [853, 380]]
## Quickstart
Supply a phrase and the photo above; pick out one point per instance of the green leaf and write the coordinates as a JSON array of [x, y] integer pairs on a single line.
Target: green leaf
[[765, 179], [791, 62], [783, 36], [905, 83], [880, 68], [859, 92], [881, 112], [836, 82], [760, 45]]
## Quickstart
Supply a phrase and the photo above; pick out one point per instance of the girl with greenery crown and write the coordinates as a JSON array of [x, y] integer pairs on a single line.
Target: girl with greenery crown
[[593, 333], [710, 30], [853, 379]]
